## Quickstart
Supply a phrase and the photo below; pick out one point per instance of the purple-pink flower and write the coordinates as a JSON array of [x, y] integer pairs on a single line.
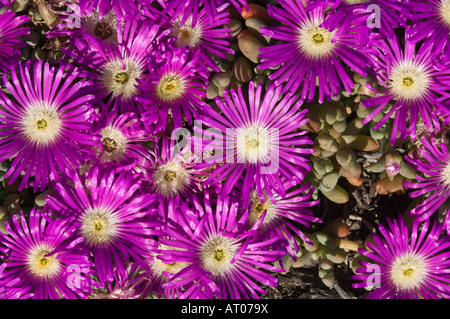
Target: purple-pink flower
[[406, 263], [43, 256], [11, 30], [46, 121], [415, 85], [224, 258], [173, 86], [116, 220], [254, 138], [307, 53]]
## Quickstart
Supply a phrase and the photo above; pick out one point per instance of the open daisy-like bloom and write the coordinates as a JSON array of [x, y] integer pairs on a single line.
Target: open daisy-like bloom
[[406, 264], [175, 86], [11, 29], [282, 218], [173, 176], [208, 36], [225, 261], [310, 52], [46, 257], [121, 142], [414, 86], [117, 222], [46, 121], [258, 140], [115, 69], [434, 163]]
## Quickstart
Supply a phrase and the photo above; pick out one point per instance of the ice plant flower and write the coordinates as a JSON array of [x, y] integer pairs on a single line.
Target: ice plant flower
[[45, 120], [406, 264], [117, 221], [282, 218], [414, 86], [430, 21], [225, 260], [434, 182], [309, 52], [46, 256], [174, 86], [210, 37], [259, 141], [121, 143], [11, 29], [115, 69], [173, 176]]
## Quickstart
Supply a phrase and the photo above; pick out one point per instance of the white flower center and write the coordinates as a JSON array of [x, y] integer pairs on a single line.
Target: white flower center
[[98, 226], [258, 209], [41, 123], [409, 81], [445, 11], [114, 144], [253, 144], [170, 178], [217, 253], [408, 271], [42, 266], [186, 34], [120, 77], [170, 87], [315, 41]]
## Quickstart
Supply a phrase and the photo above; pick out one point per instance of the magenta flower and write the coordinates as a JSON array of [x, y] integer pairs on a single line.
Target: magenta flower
[[121, 143], [117, 221], [46, 122], [255, 138], [208, 36], [114, 70], [281, 219], [434, 182], [11, 29], [414, 83], [173, 175], [176, 85], [406, 264], [225, 261], [308, 51], [46, 257]]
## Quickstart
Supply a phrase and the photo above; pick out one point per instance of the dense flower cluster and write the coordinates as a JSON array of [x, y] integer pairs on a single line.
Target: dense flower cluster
[[153, 187]]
